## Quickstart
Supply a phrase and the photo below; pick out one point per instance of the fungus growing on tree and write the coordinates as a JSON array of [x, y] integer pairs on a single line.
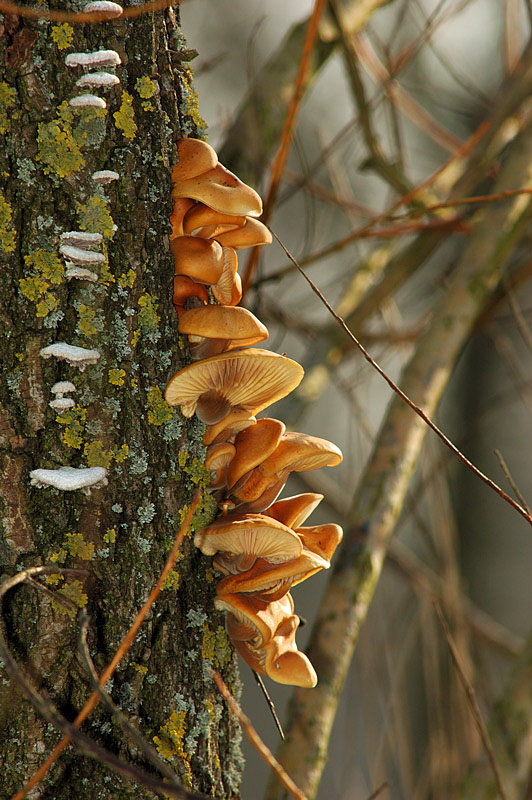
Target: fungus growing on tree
[[199, 259], [222, 191], [253, 445], [244, 538], [293, 511], [67, 479], [79, 357], [228, 289], [195, 157], [199, 216], [216, 461], [247, 379], [236, 421], [214, 329], [251, 234]]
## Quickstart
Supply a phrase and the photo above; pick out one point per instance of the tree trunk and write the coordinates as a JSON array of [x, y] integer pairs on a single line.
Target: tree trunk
[[120, 532]]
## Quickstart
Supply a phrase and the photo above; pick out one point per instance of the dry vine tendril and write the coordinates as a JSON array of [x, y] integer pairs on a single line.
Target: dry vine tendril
[[259, 543]]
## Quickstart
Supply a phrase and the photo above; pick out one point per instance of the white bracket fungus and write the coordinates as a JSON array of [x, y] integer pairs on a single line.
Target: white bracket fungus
[[103, 79], [78, 255], [62, 404], [62, 387], [67, 479], [104, 176], [79, 357], [81, 274], [83, 100], [100, 58], [98, 6], [81, 239]]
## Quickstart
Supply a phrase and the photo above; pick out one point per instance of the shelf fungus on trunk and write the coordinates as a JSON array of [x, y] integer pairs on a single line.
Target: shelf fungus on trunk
[[247, 379], [262, 555]]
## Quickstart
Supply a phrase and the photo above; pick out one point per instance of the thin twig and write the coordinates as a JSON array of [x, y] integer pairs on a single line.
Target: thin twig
[[379, 790], [126, 643], [256, 741], [287, 134], [46, 708], [105, 698], [419, 411], [510, 480], [269, 700], [471, 699], [82, 18]]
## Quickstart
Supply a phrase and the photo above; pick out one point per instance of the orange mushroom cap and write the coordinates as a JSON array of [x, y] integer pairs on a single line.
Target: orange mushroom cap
[[200, 259], [217, 459], [283, 662], [272, 581], [251, 234], [227, 427], [261, 617], [181, 206], [299, 452], [222, 191], [254, 498], [225, 327], [254, 535], [321, 539], [293, 511], [186, 289], [248, 379], [200, 216], [253, 445], [195, 157]]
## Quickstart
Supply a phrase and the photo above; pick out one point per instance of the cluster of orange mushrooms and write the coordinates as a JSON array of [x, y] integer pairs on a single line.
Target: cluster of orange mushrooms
[[258, 544]]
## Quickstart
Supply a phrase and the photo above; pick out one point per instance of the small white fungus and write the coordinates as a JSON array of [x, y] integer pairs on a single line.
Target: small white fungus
[[81, 238], [113, 9], [69, 478], [78, 356], [62, 404], [100, 58], [78, 255], [81, 274], [98, 79], [105, 176], [62, 387], [83, 100]]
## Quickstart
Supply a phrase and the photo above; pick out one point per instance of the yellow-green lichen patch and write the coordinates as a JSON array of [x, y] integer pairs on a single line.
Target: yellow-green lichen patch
[[125, 117], [89, 322], [74, 424], [169, 742], [7, 101], [148, 317], [46, 269], [127, 279], [203, 515], [63, 35], [172, 581], [110, 535], [116, 377], [158, 409], [95, 218], [190, 100], [121, 454], [140, 668], [216, 647], [7, 232], [73, 591], [59, 557], [76, 545], [146, 88], [59, 145], [96, 455]]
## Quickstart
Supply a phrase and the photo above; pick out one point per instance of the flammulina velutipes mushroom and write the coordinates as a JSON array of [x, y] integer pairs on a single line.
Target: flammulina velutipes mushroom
[[258, 543]]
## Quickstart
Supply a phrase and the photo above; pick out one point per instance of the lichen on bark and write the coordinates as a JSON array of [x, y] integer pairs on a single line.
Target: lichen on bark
[[154, 458]]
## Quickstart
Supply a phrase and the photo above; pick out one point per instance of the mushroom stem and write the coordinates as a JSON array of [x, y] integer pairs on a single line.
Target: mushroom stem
[[212, 407]]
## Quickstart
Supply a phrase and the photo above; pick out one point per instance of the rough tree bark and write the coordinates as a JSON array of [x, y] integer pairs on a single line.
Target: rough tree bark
[[121, 532]]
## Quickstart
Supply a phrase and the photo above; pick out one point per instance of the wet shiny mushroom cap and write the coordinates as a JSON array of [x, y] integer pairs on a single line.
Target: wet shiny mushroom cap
[[293, 511], [253, 445], [222, 191], [199, 259], [261, 617], [247, 379], [300, 452], [195, 157], [226, 326]]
